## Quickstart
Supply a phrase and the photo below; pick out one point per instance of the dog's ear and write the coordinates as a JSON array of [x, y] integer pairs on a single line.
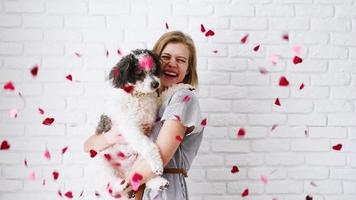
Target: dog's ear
[[122, 72], [156, 60]]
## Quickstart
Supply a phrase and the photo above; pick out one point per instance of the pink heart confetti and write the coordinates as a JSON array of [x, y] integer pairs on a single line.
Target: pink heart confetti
[[69, 77], [121, 155], [47, 154], [301, 86], [274, 58], [186, 99], [69, 194], [274, 126], [145, 63], [135, 181], [264, 179], [244, 39], [107, 157], [9, 86], [55, 175], [297, 60], [32, 176], [41, 111], [297, 50], [263, 70]]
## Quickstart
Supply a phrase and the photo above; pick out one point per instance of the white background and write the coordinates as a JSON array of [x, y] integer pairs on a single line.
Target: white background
[[297, 157]]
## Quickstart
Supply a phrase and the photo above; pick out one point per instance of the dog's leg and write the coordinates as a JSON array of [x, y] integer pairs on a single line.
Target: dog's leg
[[157, 183], [104, 124]]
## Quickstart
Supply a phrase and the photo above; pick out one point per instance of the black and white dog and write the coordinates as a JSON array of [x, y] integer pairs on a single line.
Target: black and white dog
[[133, 105]]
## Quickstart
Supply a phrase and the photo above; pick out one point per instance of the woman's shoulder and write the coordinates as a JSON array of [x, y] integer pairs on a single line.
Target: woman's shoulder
[[179, 91]]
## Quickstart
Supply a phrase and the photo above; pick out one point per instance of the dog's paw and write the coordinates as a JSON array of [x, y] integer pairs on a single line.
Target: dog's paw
[[158, 183], [157, 168]]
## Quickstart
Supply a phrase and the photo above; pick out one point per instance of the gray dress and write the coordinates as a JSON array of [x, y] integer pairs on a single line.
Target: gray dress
[[190, 116]]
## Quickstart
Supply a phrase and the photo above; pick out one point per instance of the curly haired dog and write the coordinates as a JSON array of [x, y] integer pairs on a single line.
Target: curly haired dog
[[133, 105]]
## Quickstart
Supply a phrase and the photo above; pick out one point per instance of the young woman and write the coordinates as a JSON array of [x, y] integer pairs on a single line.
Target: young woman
[[178, 138]]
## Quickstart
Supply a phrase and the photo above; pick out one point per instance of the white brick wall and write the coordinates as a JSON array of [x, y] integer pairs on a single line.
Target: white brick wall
[[296, 156]]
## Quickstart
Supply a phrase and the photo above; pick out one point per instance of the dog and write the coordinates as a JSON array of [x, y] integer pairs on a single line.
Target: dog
[[131, 111]]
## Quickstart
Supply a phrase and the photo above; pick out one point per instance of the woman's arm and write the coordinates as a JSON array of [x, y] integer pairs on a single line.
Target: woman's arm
[[103, 141], [167, 144]]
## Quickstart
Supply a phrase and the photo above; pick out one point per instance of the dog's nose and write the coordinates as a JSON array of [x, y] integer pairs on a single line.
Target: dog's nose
[[154, 84]]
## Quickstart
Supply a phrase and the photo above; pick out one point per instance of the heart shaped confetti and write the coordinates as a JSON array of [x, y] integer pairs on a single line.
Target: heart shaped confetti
[[47, 154], [69, 194], [32, 176], [285, 37], [263, 70], [179, 138], [186, 99], [337, 147], [256, 48], [167, 27], [78, 54], [264, 179], [209, 33], [202, 28], [277, 102], [244, 193], [69, 77], [203, 122], [308, 198], [107, 157], [48, 121], [119, 52], [13, 113], [55, 175], [234, 169], [177, 117], [9, 86], [64, 149], [244, 39], [301, 86], [297, 60], [5, 145], [41, 111], [136, 178], [128, 88], [241, 133], [92, 153], [283, 81], [34, 70]]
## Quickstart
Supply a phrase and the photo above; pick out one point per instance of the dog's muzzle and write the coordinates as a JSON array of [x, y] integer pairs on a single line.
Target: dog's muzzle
[[155, 84]]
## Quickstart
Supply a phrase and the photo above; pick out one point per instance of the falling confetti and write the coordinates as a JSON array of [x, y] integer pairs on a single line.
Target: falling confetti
[[167, 27], [121, 155], [78, 54], [244, 193], [297, 50], [177, 117], [274, 126], [25, 163], [283, 81], [136, 178], [128, 88], [209, 33], [263, 70], [297, 60], [203, 122], [277, 102], [234, 169], [202, 28], [285, 37], [116, 72], [69, 77], [274, 58], [34, 70], [55, 175], [337, 147], [244, 39], [41, 111], [256, 48], [179, 138], [5, 145], [107, 53], [107, 157], [308, 198], [48, 121], [186, 99], [13, 113], [313, 184], [92, 153], [69, 194], [241, 133], [64, 149], [119, 52], [9, 86], [301, 86], [32, 176], [264, 179], [59, 193], [47, 154], [215, 51]]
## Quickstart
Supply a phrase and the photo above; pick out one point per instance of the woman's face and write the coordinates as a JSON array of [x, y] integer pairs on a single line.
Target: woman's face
[[174, 63]]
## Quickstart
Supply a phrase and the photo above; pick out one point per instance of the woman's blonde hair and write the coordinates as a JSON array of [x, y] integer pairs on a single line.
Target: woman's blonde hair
[[180, 37]]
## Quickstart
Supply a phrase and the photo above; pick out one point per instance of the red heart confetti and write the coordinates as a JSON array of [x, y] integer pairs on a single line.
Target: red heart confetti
[[55, 175], [78, 54], [167, 27], [244, 39], [128, 88], [337, 147], [48, 121], [25, 163], [283, 81], [203, 122], [13, 113], [69, 194], [244, 193], [177, 117], [308, 198], [209, 33], [69, 77], [256, 48], [92, 153], [179, 138], [9, 86], [285, 37], [186, 99], [202, 28], [301, 86], [64, 149], [119, 52], [41, 111], [47, 154], [234, 169], [34, 70], [107, 157], [32, 176], [136, 178], [297, 60], [5, 145], [241, 133], [97, 194], [59, 193], [276, 102], [121, 155], [263, 70]]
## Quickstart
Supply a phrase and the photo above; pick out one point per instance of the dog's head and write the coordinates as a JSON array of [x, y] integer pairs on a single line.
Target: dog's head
[[139, 69]]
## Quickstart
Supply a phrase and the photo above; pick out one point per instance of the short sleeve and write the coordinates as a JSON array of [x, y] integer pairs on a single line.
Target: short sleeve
[[184, 107]]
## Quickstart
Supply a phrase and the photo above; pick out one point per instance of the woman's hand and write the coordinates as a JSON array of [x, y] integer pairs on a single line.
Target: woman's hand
[[103, 141]]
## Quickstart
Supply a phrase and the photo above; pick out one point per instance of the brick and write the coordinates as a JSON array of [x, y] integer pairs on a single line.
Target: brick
[[226, 119], [307, 173], [10, 157], [266, 119], [219, 105], [284, 187], [196, 174], [37, 185], [285, 131], [234, 10], [62, 35], [250, 159], [208, 22], [36, 49], [207, 188], [41, 130], [275, 10], [10, 20], [332, 25], [30, 196], [11, 185], [343, 93], [289, 24], [63, 62], [204, 147], [310, 145], [294, 106], [10, 48], [65, 172], [314, 11], [97, 7], [230, 146], [284, 159], [341, 119], [22, 35], [211, 132], [216, 174], [327, 132], [84, 22], [328, 52], [294, 1], [341, 66], [345, 11], [63, 89], [240, 51], [205, 160], [267, 92], [311, 93], [13, 75], [343, 39], [27, 144], [249, 79], [245, 23], [116, 24], [334, 79], [216, 78], [192, 10], [284, 51], [24, 6], [251, 132], [205, 50], [30, 89], [270, 145], [333, 2], [62, 7], [303, 37], [42, 21], [239, 187], [326, 159], [21, 62], [227, 64], [333, 106], [20, 172], [174, 22], [228, 92], [349, 187], [271, 173], [46, 103], [12, 129], [165, 9], [325, 187], [252, 106]]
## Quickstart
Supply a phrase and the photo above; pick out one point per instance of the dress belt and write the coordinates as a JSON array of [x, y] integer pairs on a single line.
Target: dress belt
[[141, 189]]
